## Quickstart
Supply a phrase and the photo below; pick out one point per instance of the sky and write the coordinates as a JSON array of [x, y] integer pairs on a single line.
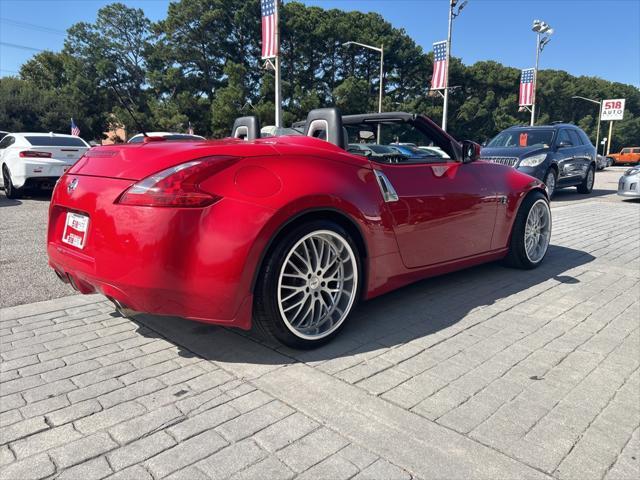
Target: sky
[[592, 37]]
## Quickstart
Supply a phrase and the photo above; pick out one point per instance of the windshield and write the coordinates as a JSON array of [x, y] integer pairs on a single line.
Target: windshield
[[46, 141], [523, 138]]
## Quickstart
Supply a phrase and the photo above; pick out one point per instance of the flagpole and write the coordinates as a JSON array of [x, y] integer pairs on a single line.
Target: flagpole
[[445, 109], [277, 69]]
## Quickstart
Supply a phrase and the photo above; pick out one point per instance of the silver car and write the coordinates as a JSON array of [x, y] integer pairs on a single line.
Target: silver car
[[629, 183]]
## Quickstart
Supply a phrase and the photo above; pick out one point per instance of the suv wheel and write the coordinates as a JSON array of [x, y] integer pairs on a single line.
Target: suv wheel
[[550, 181], [587, 184]]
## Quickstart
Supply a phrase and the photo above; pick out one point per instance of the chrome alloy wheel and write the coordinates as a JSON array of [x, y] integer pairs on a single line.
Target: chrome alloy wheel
[[537, 231], [590, 178], [550, 183], [317, 285]]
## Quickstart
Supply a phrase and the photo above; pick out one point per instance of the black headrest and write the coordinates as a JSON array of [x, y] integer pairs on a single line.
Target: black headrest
[[326, 123], [247, 128]]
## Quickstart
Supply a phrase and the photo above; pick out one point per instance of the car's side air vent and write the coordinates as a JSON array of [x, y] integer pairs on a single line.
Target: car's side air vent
[[388, 192]]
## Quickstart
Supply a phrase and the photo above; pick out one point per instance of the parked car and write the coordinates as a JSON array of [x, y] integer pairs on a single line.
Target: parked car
[[627, 156], [381, 152], [561, 155], [433, 150], [37, 160], [629, 183], [139, 138], [603, 162], [288, 232], [273, 131], [412, 152]]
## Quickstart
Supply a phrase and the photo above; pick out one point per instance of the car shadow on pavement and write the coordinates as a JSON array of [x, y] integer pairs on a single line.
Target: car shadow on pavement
[[411, 313], [6, 202], [570, 194]]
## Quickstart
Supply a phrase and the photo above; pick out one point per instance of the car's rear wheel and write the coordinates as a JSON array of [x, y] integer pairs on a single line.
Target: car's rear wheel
[[10, 191], [531, 232], [550, 181], [308, 286], [587, 184]]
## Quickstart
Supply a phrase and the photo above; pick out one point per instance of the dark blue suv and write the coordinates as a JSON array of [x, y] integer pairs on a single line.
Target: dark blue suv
[[561, 154]]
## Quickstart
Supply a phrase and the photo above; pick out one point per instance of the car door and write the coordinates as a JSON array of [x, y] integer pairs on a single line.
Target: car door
[[583, 155], [445, 210], [568, 157]]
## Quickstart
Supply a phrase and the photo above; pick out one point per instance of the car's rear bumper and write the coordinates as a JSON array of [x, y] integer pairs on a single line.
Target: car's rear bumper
[[191, 263], [37, 173]]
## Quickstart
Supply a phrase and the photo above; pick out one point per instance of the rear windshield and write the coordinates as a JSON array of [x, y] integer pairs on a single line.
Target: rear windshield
[[522, 138], [56, 141]]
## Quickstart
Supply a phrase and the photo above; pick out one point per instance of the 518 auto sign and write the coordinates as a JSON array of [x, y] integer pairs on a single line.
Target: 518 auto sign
[[612, 109]]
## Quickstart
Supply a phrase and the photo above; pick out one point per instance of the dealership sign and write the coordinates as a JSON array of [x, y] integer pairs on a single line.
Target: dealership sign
[[612, 109]]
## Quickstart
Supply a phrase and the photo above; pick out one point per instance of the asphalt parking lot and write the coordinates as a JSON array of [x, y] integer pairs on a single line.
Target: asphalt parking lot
[[485, 373]]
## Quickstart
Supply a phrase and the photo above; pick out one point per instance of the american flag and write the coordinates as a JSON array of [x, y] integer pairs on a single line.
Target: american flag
[[439, 79], [75, 131], [269, 28], [527, 87]]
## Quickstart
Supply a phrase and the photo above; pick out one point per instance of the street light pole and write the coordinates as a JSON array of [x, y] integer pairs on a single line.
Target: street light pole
[[445, 108], [598, 102], [381, 51], [539, 27], [452, 17], [535, 80]]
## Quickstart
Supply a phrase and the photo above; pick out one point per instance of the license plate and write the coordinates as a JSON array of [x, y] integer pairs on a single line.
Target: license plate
[[75, 229]]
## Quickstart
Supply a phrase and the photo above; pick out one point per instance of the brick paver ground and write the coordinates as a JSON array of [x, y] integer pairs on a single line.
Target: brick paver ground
[[487, 373]]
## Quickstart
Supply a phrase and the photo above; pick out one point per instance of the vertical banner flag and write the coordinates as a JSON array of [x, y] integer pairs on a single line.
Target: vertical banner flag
[[269, 28], [527, 87], [75, 131], [439, 65]]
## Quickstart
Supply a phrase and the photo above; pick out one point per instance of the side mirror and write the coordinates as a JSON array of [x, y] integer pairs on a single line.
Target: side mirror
[[470, 151]]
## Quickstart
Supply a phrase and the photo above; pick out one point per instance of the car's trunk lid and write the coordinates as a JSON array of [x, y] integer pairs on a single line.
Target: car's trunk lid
[[138, 161], [67, 155]]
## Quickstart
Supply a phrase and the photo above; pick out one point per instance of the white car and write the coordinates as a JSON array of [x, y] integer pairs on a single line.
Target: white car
[[37, 159], [139, 138]]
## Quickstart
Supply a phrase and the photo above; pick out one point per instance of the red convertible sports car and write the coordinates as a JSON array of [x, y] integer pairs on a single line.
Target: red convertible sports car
[[287, 232]]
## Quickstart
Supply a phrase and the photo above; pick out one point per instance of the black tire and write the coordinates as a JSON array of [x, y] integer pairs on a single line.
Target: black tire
[[551, 172], [589, 179], [10, 191], [267, 316], [517, 256]]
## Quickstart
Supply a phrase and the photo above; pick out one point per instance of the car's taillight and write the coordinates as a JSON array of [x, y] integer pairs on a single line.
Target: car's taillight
[[177, 186], [34, 154]]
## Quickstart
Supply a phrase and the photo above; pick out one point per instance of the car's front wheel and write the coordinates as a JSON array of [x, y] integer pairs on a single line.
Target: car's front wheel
[[587, 183], [531, 232], [10, 191], [308, 286], [550, 181]]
